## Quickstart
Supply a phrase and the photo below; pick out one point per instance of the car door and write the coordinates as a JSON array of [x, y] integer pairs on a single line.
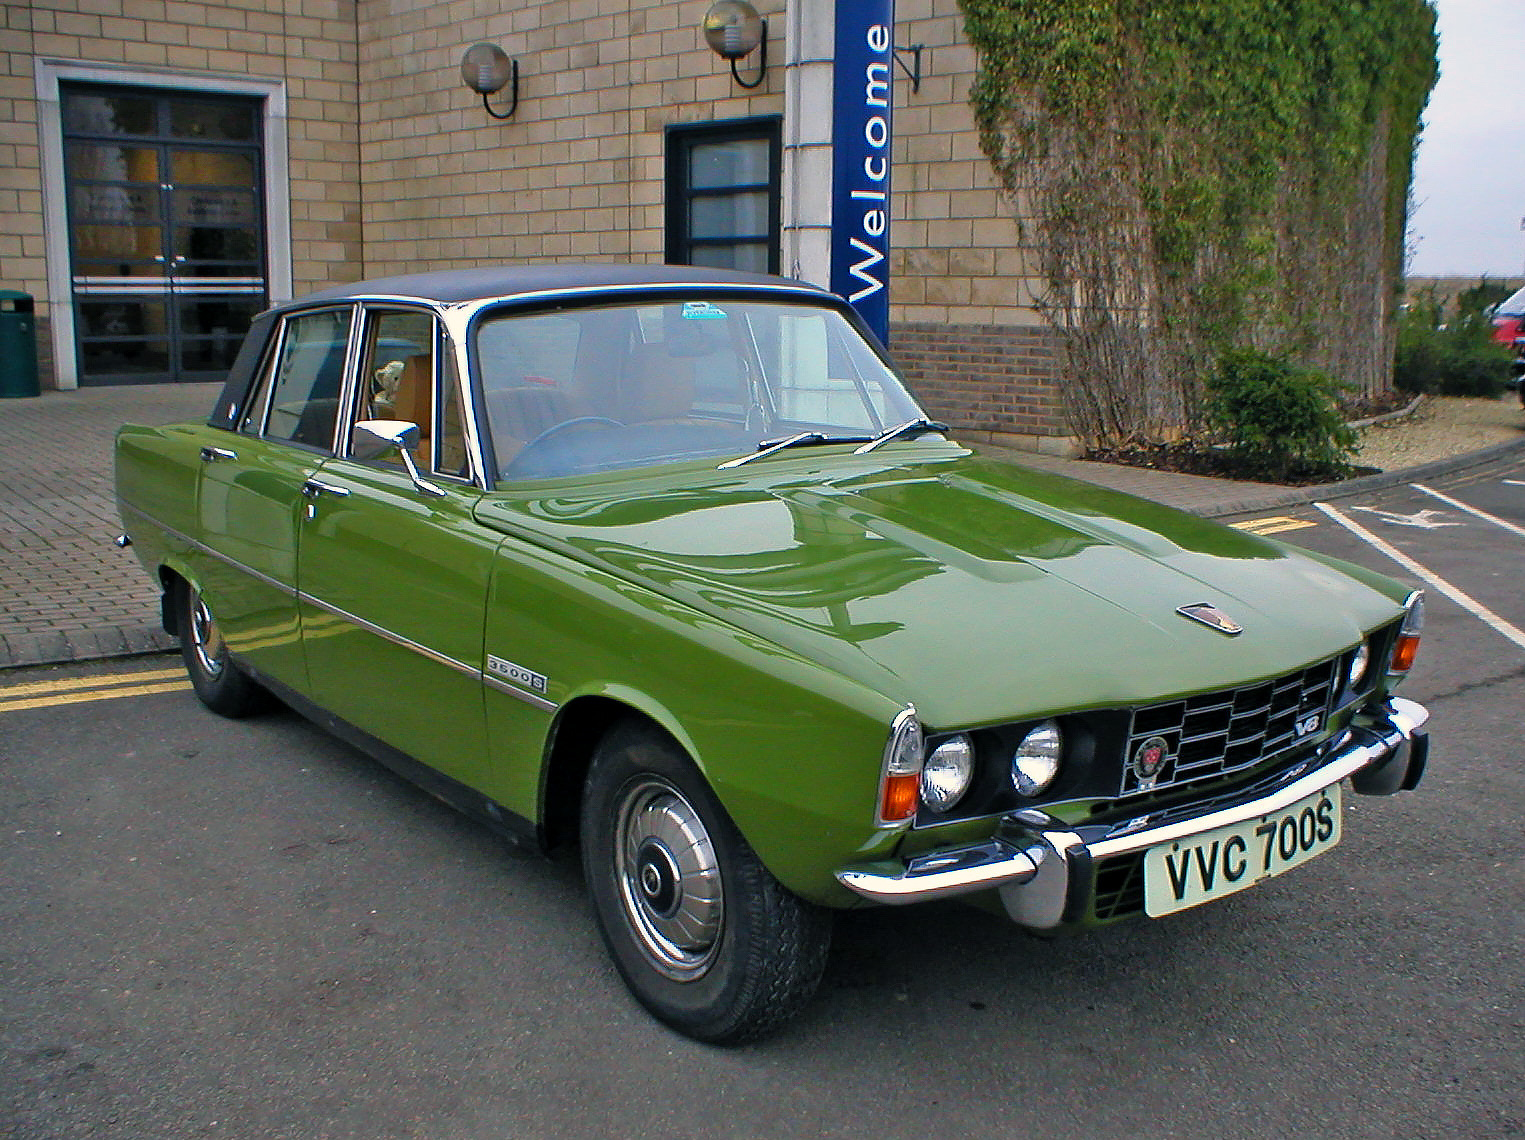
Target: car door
[[393, 574], [253, 491]]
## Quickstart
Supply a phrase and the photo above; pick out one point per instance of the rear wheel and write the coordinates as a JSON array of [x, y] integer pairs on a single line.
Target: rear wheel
[[218, 682], [706, 939]]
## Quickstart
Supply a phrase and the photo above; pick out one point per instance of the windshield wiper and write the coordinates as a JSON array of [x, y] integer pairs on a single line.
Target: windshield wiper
[[769, 447], [910, 427]]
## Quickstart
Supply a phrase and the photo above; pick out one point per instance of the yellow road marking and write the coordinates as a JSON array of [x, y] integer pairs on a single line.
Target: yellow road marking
[[1273, 525], [79, 690], [73, 684]]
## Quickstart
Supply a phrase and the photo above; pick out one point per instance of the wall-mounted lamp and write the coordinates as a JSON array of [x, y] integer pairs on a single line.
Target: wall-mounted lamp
[[486, 69], [734, 30]]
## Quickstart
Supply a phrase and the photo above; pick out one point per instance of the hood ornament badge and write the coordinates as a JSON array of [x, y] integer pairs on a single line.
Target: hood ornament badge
[[1212, 617]]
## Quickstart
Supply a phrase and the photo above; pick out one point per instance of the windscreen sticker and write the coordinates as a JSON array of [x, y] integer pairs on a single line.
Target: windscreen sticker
[[702, 311]]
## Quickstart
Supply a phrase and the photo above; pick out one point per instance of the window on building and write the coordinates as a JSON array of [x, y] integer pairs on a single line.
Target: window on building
[[723, 195]]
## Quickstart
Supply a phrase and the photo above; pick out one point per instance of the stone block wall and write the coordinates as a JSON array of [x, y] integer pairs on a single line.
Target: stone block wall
[[577, 173]]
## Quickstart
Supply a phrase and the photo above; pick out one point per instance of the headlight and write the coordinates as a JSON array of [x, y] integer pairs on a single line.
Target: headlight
[[1360, 661], [1407, 645], [947, 773], [902, 769], [1035, 763]]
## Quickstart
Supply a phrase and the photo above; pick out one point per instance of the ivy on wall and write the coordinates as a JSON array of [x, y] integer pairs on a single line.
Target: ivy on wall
[[1197, 176]]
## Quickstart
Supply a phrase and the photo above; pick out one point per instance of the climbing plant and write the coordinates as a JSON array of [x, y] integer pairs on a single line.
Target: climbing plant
[[1195, 177]]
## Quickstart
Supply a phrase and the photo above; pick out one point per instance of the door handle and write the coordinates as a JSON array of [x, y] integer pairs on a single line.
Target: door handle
[[315, 487], [216, 454]]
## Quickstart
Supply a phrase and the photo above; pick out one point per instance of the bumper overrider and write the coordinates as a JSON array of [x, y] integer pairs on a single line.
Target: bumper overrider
[[1044, 868]]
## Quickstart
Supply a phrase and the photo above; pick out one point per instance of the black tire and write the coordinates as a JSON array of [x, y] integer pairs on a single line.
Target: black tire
[[218, 681], [705, 937]]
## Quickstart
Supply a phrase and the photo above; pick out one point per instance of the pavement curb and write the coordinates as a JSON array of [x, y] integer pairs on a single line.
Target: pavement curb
[[1364, 484], [22, 651]]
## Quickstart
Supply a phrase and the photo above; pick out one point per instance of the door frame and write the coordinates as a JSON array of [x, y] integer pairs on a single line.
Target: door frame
[[277, 184]]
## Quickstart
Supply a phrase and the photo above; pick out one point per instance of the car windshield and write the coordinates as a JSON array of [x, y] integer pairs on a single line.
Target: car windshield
[[601, 387]]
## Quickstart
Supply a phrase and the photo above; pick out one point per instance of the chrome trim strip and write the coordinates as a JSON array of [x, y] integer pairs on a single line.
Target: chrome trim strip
[[265, 579], [528, 698], [370, 627], [471, 304], [387, 635]]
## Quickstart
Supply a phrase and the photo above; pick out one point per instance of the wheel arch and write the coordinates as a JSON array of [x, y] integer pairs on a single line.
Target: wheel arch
[[580, 725]]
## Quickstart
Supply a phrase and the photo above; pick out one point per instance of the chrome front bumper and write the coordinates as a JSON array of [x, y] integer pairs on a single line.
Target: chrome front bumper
[[1043, 867]]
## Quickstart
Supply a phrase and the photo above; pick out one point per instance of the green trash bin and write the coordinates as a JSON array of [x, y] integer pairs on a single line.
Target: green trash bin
[[18, 345]]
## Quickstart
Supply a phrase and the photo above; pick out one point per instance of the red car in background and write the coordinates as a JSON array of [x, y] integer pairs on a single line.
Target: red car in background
[[1509, 330]]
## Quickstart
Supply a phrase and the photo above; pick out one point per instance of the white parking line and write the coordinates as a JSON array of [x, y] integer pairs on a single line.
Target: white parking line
[[1428, 576], [1461, 506]]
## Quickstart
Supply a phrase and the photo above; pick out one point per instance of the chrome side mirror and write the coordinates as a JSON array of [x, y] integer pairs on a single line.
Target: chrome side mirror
[[376, 439]]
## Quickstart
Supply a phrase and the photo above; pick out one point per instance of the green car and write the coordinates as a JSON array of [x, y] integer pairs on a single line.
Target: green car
[[667, 563]]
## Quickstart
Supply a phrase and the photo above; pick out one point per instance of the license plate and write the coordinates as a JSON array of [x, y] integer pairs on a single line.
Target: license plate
[[1215, 863]]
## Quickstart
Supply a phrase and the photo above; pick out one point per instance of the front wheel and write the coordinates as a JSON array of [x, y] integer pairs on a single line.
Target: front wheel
[[706, 939], [218, 682]]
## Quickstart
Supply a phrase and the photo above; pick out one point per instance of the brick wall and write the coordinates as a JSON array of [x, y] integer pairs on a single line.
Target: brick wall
[[993, 382]]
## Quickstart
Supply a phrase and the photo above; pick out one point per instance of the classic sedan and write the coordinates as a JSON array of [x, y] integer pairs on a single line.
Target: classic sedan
[[667, 563]]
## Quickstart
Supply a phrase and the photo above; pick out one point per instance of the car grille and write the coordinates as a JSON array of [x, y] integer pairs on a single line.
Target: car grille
[[1213, 734], [1119, 887]]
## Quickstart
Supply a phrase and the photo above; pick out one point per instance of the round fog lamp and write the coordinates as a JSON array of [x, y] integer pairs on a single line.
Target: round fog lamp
[[947, 773], [1035, 763]]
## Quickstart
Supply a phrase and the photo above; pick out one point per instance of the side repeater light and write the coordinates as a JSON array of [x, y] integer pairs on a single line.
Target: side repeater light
[[1407, 645], [900, 788]]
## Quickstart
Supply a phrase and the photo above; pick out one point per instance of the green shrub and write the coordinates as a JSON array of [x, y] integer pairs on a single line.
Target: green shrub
[[1280, 420], [1456, 357]]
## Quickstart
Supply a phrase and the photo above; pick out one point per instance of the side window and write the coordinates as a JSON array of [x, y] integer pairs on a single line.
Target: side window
[[308, 374], [402, 379]]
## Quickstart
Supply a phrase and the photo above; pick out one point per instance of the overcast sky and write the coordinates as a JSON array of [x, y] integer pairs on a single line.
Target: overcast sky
[[1469, 183]]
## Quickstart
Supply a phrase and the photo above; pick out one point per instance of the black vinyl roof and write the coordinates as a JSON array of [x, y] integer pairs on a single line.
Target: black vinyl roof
[[456, 285]]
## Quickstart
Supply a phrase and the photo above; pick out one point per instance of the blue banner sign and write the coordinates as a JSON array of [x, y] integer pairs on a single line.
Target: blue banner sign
[[860, 205]]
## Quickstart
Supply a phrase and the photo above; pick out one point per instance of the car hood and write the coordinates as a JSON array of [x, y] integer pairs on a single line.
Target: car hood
[[978, 590]]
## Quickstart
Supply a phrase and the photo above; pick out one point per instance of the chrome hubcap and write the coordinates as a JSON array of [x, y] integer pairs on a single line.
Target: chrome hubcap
[[206, 639], [669, 879]]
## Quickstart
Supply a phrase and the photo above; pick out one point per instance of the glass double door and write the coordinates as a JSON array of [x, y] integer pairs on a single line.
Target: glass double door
[[166, 231]]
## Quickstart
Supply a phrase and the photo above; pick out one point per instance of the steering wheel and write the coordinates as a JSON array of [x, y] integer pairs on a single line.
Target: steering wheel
[[557, 429]]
